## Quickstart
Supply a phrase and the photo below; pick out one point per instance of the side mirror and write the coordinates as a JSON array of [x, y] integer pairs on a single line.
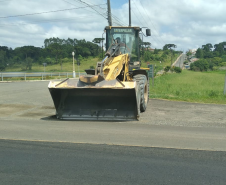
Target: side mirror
[[148, 32]]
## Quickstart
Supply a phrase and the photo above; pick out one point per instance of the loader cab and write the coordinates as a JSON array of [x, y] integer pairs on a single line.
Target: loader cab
[[128, 37]]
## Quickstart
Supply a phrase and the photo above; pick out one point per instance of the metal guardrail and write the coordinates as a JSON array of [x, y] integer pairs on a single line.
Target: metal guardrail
[[38, 74]]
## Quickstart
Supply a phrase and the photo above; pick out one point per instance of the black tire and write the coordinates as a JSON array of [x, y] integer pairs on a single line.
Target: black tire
[[144, 90]]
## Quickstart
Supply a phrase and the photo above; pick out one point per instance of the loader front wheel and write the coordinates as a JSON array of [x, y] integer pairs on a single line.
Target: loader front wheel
[[144, 90]]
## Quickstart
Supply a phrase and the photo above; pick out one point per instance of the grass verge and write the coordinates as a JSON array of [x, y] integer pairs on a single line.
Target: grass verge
[[201, 87]]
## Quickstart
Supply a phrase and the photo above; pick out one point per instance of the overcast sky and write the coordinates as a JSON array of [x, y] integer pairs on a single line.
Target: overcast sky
[[187, 23]]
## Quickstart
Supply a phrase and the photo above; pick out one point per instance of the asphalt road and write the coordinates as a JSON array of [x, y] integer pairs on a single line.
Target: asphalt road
[[181, 60], [173, 143], [32, 101], [66, 163]]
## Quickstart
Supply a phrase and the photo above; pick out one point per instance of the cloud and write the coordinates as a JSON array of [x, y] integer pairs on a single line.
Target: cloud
[[188, 24]]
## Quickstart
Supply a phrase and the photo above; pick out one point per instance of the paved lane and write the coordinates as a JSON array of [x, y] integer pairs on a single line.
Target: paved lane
[[64, 163], [181, 60], [118, 133], [27, 113], [32, 101]]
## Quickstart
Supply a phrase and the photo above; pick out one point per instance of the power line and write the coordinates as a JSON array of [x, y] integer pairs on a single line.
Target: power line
[[137, 17], [156, 39], [90, 5], [47, 12], [144, 21], [118, 19], [150, 19], [141, 23], [43, 21], [50, 20], [87, 10]]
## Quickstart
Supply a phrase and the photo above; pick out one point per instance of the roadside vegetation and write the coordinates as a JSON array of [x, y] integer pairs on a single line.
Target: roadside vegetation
[[55, 52], [160, 58], [202, 87], [210, 57], [85, 63], [190, 86]]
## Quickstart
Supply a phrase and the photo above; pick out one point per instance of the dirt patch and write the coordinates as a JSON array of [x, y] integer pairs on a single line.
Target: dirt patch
[[47, 107], [38, 113], [10, 109], [175, 113]]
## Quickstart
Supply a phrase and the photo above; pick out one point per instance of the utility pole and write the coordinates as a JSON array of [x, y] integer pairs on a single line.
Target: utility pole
[[109, 14], [170, 46], [129, 14]]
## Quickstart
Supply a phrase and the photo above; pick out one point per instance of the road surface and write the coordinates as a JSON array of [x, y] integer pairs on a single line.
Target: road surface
[[67, 163], [181, 60], [173, 143]]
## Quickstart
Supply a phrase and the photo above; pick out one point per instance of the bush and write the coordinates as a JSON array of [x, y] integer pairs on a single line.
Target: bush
[[66, 60], [223, 64], [177, 69], [215, 68], [167, 68], [172, 69], [185, 62], [200, 65]]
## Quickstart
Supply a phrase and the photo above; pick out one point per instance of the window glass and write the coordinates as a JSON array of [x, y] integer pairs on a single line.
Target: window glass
[[127, 39]]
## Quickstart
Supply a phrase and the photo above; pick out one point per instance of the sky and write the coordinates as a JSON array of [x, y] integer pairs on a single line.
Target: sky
[[189, 24]]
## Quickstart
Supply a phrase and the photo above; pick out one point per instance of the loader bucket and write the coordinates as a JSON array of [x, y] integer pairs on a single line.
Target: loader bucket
[[104, 101]]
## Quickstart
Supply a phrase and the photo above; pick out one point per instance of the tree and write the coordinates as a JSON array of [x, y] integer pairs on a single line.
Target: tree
[[79, 59], [27, 64], [55, 49], [199, 53], [189, 53], [3, 60], [165, 47], [156, 51], [207, 47], [147, 44], [97, 41], [200, 65]]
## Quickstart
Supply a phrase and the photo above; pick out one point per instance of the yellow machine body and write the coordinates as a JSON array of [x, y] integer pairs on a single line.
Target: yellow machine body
[[107, 93]]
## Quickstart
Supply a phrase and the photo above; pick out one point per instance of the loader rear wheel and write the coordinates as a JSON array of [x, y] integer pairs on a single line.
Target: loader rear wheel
[[144, 90]]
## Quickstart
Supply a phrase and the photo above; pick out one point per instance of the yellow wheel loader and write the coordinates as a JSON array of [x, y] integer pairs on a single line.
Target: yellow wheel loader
[[117, 89]]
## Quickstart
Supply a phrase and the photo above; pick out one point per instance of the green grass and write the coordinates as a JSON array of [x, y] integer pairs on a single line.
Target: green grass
[[159, 66], [202, 87], [85, 64]]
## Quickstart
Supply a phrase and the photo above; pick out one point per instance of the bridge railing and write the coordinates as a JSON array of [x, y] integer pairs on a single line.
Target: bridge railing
[[36, 75]]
